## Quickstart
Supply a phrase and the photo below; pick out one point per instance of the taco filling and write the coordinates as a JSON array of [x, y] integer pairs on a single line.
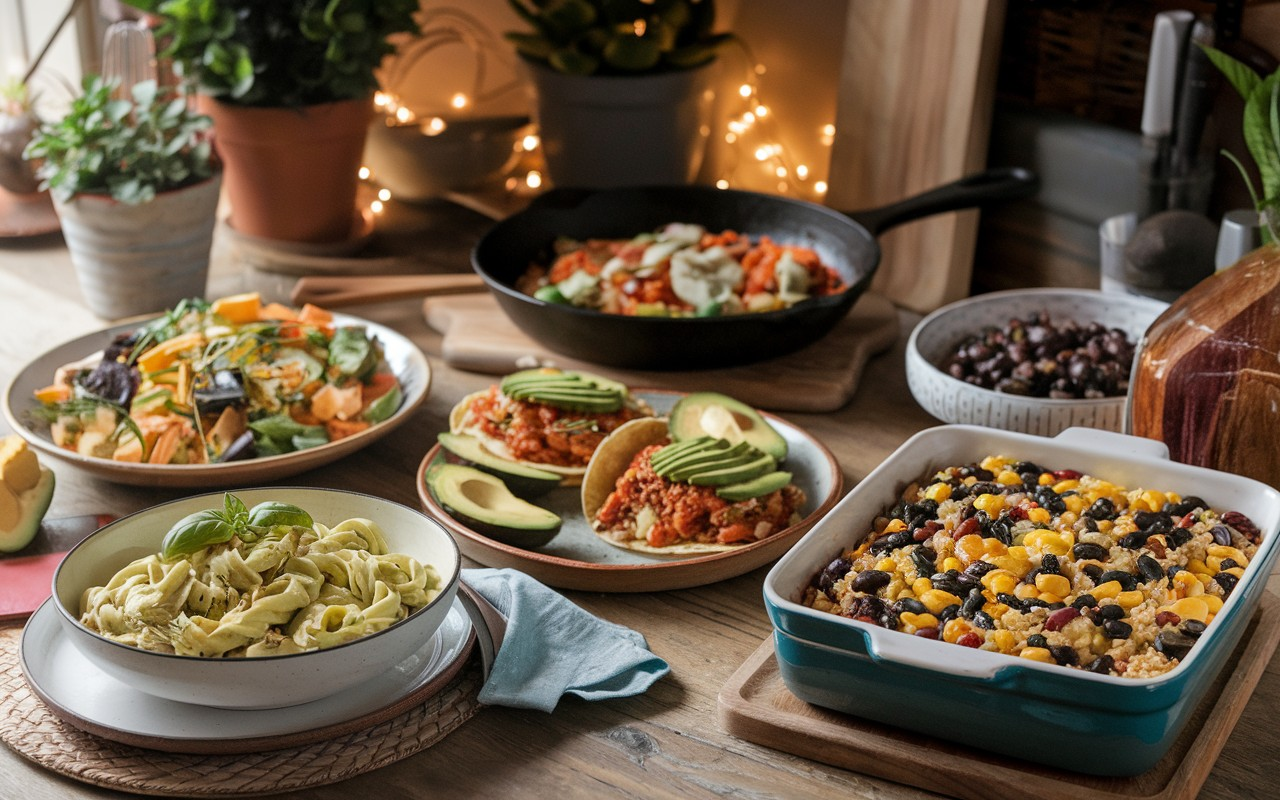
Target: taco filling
[[646, 510]]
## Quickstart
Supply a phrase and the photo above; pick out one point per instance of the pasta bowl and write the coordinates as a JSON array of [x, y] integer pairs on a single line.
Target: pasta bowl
[[267, 681]]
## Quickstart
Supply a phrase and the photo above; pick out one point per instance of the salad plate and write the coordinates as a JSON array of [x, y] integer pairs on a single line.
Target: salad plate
[[403, 358], [576, 558], [82, 695]]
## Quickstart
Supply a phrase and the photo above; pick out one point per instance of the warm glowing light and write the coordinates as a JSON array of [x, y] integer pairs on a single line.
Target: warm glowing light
[[760, 70], [403, 114], [381, 99], [731, 137], [828, 130], [459, 100], [802, 171], [376, 206], [820, 187], [511, 184], [762, 153], [736, 127], [384, 195], [533, 180], [762, 111], [529, 143], [640, 27], [745, 90], [434, 126], [781, 172], [783, 186], [364, 173], [748, 118], [722, 184]]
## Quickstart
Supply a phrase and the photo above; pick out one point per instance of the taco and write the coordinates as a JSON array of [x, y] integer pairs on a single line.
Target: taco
[[702, 495], [547, 418]]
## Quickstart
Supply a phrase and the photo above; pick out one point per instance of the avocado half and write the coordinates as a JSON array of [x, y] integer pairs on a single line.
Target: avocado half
[[523, 480], [721, 416], [23, 512], [482, 502]]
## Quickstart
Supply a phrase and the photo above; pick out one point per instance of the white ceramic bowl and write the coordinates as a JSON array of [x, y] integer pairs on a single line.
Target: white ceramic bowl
[[266, 682], [952, 400]]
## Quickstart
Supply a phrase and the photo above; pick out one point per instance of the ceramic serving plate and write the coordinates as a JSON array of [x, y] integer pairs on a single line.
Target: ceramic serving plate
[[84, 696], [579, 559], [405, 359], [1068, 718]]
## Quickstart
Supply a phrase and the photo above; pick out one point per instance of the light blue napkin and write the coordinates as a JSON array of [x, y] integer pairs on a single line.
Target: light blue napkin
[[553, 647]]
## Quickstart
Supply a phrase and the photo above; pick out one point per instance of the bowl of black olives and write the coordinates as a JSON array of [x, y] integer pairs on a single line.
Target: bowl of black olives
[[1029, 360]]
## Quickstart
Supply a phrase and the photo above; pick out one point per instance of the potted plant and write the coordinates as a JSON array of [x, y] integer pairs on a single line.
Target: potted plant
[[622, 87], [135, 185], [289, 85], [17, 124]]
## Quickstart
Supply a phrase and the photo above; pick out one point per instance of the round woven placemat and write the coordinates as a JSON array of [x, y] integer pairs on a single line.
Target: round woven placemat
[[29, 728]]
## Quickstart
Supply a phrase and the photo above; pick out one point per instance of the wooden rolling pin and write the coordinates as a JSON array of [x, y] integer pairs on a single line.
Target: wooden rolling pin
[[349, 290]]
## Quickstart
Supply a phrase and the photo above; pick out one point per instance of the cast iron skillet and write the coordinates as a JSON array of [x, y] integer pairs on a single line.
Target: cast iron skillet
[[844, 241]]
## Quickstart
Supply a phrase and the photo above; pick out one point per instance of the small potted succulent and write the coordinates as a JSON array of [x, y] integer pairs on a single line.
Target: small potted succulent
[[622, 87], [289, 84], [17, 124], [135, 185]]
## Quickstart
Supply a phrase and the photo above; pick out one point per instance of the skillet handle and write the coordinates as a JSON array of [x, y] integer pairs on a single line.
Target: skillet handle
[[348, 290], [1003, 183]]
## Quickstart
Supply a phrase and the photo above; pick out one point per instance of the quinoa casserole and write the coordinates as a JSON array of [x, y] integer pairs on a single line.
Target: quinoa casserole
[[1045, 564]]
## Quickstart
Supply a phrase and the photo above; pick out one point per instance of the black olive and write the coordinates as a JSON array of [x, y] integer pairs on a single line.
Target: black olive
[[1065, 654], [1149, 568], [1037, 640], [1117, 629], [1085, 601], [1088, 551], [870, 581]]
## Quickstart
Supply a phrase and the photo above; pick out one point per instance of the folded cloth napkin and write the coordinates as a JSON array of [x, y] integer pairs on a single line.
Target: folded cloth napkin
[[552, 647]]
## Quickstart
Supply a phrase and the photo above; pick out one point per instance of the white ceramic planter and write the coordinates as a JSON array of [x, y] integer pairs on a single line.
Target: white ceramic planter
[[604, 131], [133, 260]]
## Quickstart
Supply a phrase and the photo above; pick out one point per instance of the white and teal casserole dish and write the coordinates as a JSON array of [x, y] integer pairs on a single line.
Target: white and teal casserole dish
[[1042, 712]]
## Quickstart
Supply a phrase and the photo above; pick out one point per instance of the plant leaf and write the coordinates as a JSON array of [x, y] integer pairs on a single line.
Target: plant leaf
[[196, 531], [1238, 73], [1261, 125]]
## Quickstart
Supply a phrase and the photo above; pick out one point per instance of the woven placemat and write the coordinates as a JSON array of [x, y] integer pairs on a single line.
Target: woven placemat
[[29, 728]]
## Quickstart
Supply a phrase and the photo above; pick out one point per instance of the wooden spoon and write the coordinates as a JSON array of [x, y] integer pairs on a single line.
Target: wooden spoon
[[347, 290]]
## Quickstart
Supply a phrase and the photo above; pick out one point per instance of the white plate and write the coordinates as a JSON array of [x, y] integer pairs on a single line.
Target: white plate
[[86, 697], [576, 558], [407, 362]]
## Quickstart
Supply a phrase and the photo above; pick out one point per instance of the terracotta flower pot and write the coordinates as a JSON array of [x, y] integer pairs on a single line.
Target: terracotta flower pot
[[291, 174], [1206, 379], [133, 260], [604, 131]]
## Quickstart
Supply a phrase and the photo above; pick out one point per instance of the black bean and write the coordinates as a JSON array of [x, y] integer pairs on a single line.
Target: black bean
[[983, 620], [870, 581], [1049, 499], [1094, 572], [1089, 524], [1174, 569], [1221, 535], [1011, 601], [947, 614], [948, 581], [1117, 629], [1127, 582], [1102, 665], [979, 568], [1228, 563], [1174, 644], [1085, 601], [910, 605], [1036, 602], [1037, 640], [1189, 503], [1102, 508], [923, 558], [1149, 568], [1030, 577], [1132, 541], [975, 471], [1049, 565], [1178, 537], [1065, 654], [1089, 551], [1024, 467], [1111, 612], [833, 572], [1227, 581], [1055, 606], [1156, 521], [1193, 628]]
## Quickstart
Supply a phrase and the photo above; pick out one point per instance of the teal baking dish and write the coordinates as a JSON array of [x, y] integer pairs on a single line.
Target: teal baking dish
[[1062, 717]]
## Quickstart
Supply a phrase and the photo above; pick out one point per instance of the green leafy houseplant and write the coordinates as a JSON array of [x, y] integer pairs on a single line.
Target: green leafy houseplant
[[1261, 128], [128, 149], [280, 52], [618, 37]]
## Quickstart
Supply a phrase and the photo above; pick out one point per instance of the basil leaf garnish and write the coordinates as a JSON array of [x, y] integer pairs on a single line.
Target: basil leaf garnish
[[270, 514], [196, 531]]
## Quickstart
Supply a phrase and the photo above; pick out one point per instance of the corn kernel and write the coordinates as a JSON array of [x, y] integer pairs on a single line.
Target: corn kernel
[[1019, 552], [886, 565], [1198, 588], [970, 548], [996, 610], [1127, 600], [1105, 525], [1123, 525], [1038, 654], [1212, 602], [954, 629], [1004, 640], [994, 463], [1075, 504], [1154, 500], [1225, 551], [938, 492], [1008, 478], [1051, 598], [1237, 571], [990, 503], [1183, 580], [1190, 608], [1045, 479], [1000, 581], [895, 525], [905, 593], [1197, 566], [1024, 591], [921, 585], [951, 562], [1055, 584], [1106, 590], [1099, 643], [1066, 486], [935, 600], [919, 620], [1040, 515]]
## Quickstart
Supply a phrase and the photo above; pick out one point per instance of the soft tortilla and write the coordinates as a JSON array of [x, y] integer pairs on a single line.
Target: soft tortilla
[[608, 464], [570, 476]]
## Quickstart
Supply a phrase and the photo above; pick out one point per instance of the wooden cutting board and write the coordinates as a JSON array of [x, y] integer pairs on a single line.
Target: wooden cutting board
[[822, 377], [755, 705]]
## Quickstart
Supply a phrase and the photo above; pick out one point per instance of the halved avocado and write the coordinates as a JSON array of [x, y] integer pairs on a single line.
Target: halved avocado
[[523, 481], [21, 512], [736, 473], [483, 503], [721, 416], [756, 487]]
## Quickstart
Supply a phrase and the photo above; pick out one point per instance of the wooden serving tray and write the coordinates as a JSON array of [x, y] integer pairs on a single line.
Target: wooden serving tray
[[822, 377], [755, 705]]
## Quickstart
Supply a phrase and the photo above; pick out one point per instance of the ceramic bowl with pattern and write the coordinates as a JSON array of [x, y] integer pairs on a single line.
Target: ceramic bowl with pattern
[[951, 400], [272, 681]]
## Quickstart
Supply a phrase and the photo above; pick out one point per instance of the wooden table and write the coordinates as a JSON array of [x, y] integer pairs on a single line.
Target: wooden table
[[664, 743]]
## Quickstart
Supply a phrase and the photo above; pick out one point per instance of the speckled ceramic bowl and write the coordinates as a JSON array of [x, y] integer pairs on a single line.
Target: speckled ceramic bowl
[[270, 681], [951, 400]]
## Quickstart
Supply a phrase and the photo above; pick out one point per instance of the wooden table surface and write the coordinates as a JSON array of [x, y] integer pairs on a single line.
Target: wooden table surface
[[664, 743]]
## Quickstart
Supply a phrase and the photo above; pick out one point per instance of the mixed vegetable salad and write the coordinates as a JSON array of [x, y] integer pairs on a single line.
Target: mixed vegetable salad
[[220, 381], [681, 270]]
